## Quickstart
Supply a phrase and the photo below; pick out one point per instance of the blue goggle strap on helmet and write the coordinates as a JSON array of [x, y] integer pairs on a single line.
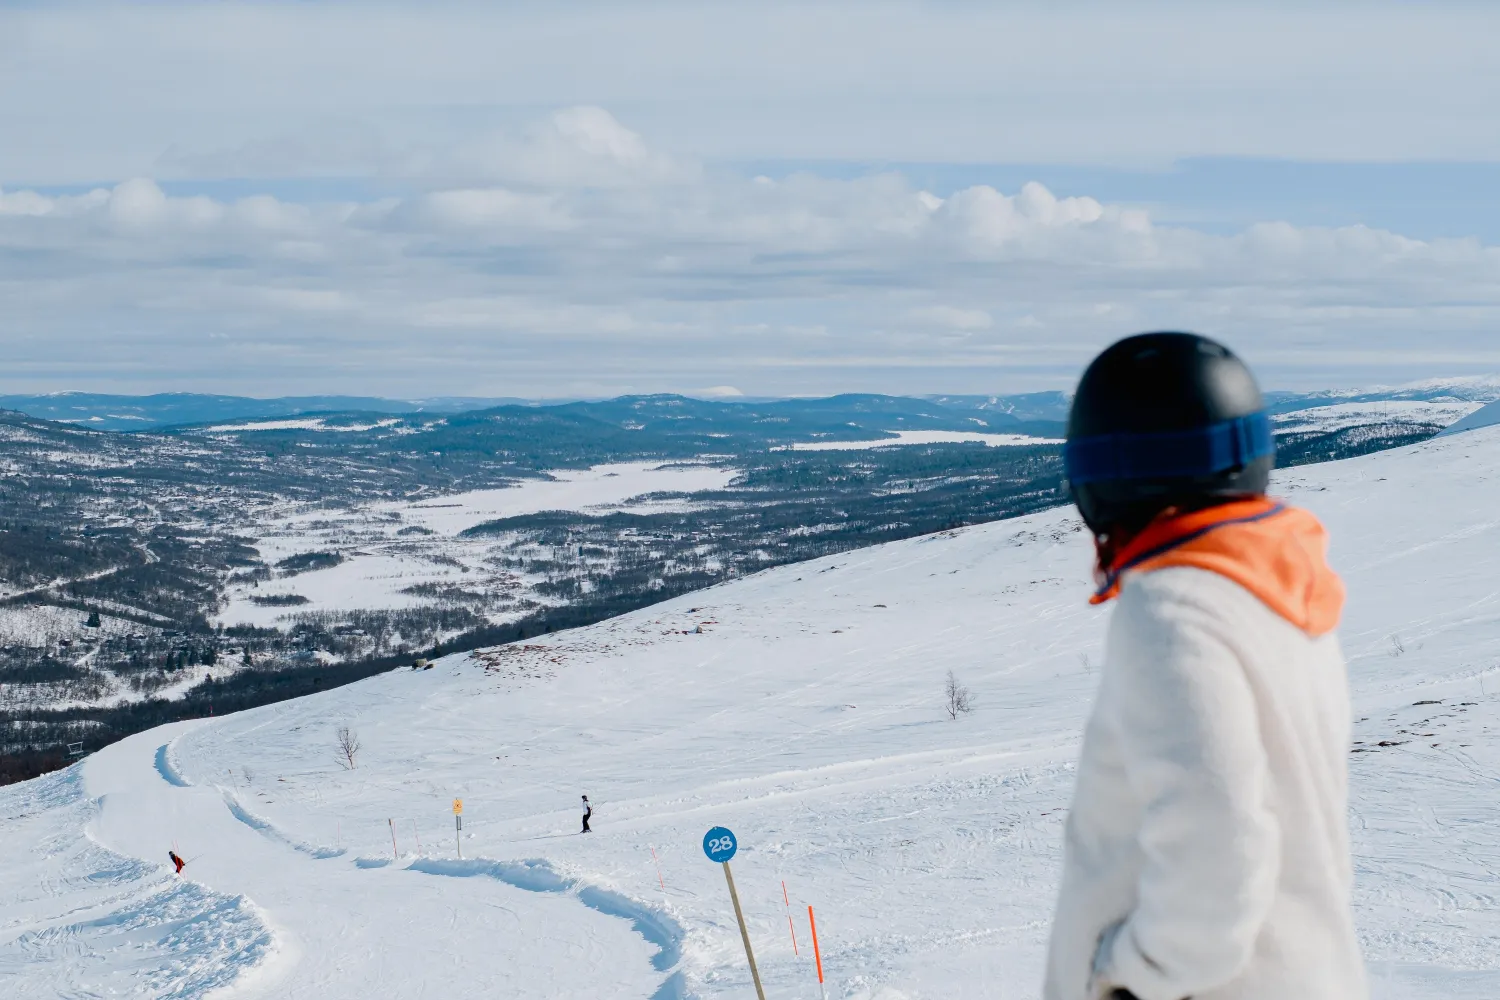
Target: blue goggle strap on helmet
[[1203, 451]]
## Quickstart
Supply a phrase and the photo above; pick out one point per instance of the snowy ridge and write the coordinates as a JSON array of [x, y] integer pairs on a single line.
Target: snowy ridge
[[1486, 416], [801, 708], [1478, 388], [1438, 413]]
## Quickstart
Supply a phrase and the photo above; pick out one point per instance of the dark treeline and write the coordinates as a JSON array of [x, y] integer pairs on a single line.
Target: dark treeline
[[1349, 442]]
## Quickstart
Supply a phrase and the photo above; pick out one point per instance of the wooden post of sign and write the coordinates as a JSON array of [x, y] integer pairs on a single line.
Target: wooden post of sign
[[458, 827], [744, 933], [813, 924]]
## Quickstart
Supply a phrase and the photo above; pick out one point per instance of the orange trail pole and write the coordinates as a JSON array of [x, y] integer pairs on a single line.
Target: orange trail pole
[[395, 853], [414, 833], [458, 827], [816, 953], [658, 869], [788, 900]]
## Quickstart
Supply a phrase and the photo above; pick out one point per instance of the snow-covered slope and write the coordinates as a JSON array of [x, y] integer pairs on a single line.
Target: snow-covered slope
[[1486, 416], [801, 708]]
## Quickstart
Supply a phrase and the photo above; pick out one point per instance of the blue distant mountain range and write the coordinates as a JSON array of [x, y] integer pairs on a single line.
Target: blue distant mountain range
[[102, 411], [169, 409]]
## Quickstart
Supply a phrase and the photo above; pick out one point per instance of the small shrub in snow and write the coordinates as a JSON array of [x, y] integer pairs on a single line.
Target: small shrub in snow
[[957, 699]]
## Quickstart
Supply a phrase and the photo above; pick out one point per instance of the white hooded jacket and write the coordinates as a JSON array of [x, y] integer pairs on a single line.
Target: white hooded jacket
[[1207, 847]]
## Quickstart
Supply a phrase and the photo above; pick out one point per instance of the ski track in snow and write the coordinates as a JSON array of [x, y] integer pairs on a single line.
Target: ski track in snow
[[805, 716], [87, 921], [538, 876], [328, 928], [165, 768]]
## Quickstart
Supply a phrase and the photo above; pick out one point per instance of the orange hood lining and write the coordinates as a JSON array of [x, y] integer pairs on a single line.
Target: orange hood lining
[[1275, 551]]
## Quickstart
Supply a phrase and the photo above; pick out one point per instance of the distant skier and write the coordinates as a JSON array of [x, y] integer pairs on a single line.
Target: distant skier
[[176, 861], [1207, 848], [588, 811]]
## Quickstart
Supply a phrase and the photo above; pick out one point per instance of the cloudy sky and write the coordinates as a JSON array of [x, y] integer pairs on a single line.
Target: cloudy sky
[[585, 199]]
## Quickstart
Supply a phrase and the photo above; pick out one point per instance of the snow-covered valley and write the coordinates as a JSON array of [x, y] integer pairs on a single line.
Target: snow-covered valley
[[399, 554], [800, 707], [151, 577]]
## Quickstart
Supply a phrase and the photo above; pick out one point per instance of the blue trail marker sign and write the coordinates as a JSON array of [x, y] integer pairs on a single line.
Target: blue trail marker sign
[[720, 845]]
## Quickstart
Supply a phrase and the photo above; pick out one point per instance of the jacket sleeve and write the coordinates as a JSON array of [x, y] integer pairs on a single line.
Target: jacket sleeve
[[1190, 741]]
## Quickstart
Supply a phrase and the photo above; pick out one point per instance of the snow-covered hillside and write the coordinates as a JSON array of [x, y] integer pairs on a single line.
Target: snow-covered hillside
[[1485, 416], [1438, 413], [800, 707]]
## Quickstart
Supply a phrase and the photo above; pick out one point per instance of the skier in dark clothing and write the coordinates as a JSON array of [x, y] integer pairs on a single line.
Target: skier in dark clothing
[[176, 861], [588, 811]]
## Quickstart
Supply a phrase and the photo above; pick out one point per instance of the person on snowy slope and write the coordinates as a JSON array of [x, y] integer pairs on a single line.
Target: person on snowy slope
[[588, 811], [1207, 851], [176, 861]]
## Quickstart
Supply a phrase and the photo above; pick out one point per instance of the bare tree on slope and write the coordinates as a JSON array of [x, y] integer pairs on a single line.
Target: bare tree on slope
[[348, 745], [957, 699]]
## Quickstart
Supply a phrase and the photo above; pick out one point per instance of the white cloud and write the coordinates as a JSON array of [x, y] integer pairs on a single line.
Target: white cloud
[[578, 147], [491, 208], [951, 318], [139, 202], [24, 203], [587, 256], [594, 132]]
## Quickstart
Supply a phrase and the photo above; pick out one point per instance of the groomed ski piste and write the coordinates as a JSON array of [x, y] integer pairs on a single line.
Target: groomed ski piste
[[802, 708]]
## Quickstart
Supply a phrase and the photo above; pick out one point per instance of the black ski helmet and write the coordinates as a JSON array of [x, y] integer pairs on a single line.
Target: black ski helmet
[[1165, 420]]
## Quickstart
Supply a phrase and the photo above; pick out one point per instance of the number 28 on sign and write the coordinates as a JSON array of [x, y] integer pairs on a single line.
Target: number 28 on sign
[[719, 844]]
